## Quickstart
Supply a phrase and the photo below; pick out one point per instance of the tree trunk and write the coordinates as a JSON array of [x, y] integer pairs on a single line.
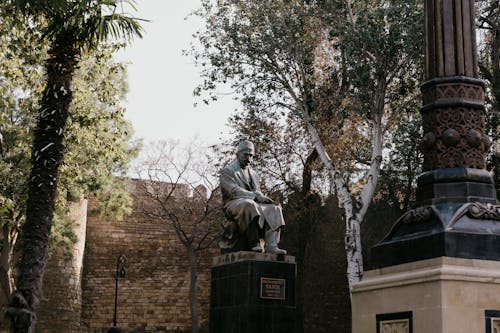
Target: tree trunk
[[354, 210], [495, 59], [354, 254], [6, 276], [193, 278], [47, 155], [307, 172], [352, 236]]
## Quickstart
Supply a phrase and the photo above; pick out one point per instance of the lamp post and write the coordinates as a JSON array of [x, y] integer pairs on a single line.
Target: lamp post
[[120, 273]]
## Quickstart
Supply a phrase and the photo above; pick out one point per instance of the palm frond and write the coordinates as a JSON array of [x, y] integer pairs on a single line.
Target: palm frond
[[90, 22]]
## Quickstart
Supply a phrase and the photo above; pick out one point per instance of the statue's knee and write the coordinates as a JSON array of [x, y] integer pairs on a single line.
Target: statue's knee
[[250, 205], [248, 202]]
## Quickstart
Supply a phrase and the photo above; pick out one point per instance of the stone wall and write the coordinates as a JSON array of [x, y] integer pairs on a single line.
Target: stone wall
[[61, 304], [153, 297]]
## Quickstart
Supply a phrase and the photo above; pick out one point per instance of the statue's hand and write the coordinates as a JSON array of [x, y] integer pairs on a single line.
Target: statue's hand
[[259, 197]]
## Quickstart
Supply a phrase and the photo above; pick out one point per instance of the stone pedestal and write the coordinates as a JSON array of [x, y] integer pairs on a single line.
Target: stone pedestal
[[253, 293], [439, 295]]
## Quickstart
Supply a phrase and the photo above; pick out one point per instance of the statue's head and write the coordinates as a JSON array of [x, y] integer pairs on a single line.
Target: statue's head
[[245, 152]]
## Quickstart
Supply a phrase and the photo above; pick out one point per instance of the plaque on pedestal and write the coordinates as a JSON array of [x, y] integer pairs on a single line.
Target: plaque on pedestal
[[253, 293]]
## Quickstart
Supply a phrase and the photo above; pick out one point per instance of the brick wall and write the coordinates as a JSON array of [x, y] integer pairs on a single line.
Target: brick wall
[[153, 297], [61, 304]]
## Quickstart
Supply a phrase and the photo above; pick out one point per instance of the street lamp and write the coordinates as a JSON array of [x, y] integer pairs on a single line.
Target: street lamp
[[120, 273]]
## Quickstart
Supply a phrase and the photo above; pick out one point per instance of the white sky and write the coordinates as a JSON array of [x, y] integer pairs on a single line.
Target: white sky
[[161, 80]]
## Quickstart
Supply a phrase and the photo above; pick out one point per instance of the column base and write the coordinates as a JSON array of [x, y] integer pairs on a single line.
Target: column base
[[438, 295]]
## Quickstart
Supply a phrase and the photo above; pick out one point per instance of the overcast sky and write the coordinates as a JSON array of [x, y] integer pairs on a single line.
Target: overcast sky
[[161, 80]]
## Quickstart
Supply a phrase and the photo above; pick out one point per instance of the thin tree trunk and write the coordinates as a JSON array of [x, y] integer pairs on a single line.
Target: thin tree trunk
[[307, 172], [490, 22], [354, 254], [352, 236], [47, 155], [193, 277], [495, 60], [6, 275], [353, 216]]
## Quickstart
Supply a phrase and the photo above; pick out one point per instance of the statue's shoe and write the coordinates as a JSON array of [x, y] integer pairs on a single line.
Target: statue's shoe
[[272, 239], [257, 248], [275, 250]]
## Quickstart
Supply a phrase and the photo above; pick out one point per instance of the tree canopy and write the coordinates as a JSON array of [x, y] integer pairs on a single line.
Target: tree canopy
[[97, 140], [340, 71], [72, 30]]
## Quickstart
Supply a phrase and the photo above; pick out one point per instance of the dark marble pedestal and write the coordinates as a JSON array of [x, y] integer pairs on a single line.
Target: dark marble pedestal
[[253, 293]]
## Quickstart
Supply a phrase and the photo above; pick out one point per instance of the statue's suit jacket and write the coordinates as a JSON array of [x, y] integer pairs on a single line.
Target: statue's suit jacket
[[238, 195], [234, 184]]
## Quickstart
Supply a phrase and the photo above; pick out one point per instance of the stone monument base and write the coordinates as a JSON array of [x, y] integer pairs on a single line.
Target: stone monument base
[[253, 293], [439, 295]]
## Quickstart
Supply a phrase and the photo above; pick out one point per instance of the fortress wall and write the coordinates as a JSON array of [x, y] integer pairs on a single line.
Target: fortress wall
[[153, 297], [61, 304]]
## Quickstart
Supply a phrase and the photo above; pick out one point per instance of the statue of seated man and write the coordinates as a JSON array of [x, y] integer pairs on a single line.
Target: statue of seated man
[[251, 215]]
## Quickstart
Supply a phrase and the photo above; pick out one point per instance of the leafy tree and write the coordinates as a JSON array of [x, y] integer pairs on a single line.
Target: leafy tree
[[403, 164], [19, 78], [281, 147], [181, 189], [336, 67], [489, 22], [71, 28], [489, 64], [99, 86]]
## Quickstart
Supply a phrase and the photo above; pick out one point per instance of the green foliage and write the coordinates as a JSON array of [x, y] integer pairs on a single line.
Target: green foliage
[[114, 202], [20, 87], [246, 42], [97, 139], [397, 182], [98, 136], [351, 73], [62, 235], [384, 44], [89, 22]]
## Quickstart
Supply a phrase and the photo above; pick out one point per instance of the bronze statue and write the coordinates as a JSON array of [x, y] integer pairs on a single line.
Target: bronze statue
[[251, 215]]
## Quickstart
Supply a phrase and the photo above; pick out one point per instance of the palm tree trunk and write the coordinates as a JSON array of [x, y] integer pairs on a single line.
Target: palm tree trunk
[[47, 155]]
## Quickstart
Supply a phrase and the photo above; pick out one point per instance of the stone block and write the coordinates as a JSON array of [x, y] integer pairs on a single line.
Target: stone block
[[438, 295]]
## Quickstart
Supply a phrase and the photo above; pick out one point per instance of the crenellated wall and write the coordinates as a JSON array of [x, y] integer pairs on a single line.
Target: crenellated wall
[[153, 296]]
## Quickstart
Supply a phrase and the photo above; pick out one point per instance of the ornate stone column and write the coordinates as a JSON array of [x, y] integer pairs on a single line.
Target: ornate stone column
[[456, 213], [438, 269], [453, 95]]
